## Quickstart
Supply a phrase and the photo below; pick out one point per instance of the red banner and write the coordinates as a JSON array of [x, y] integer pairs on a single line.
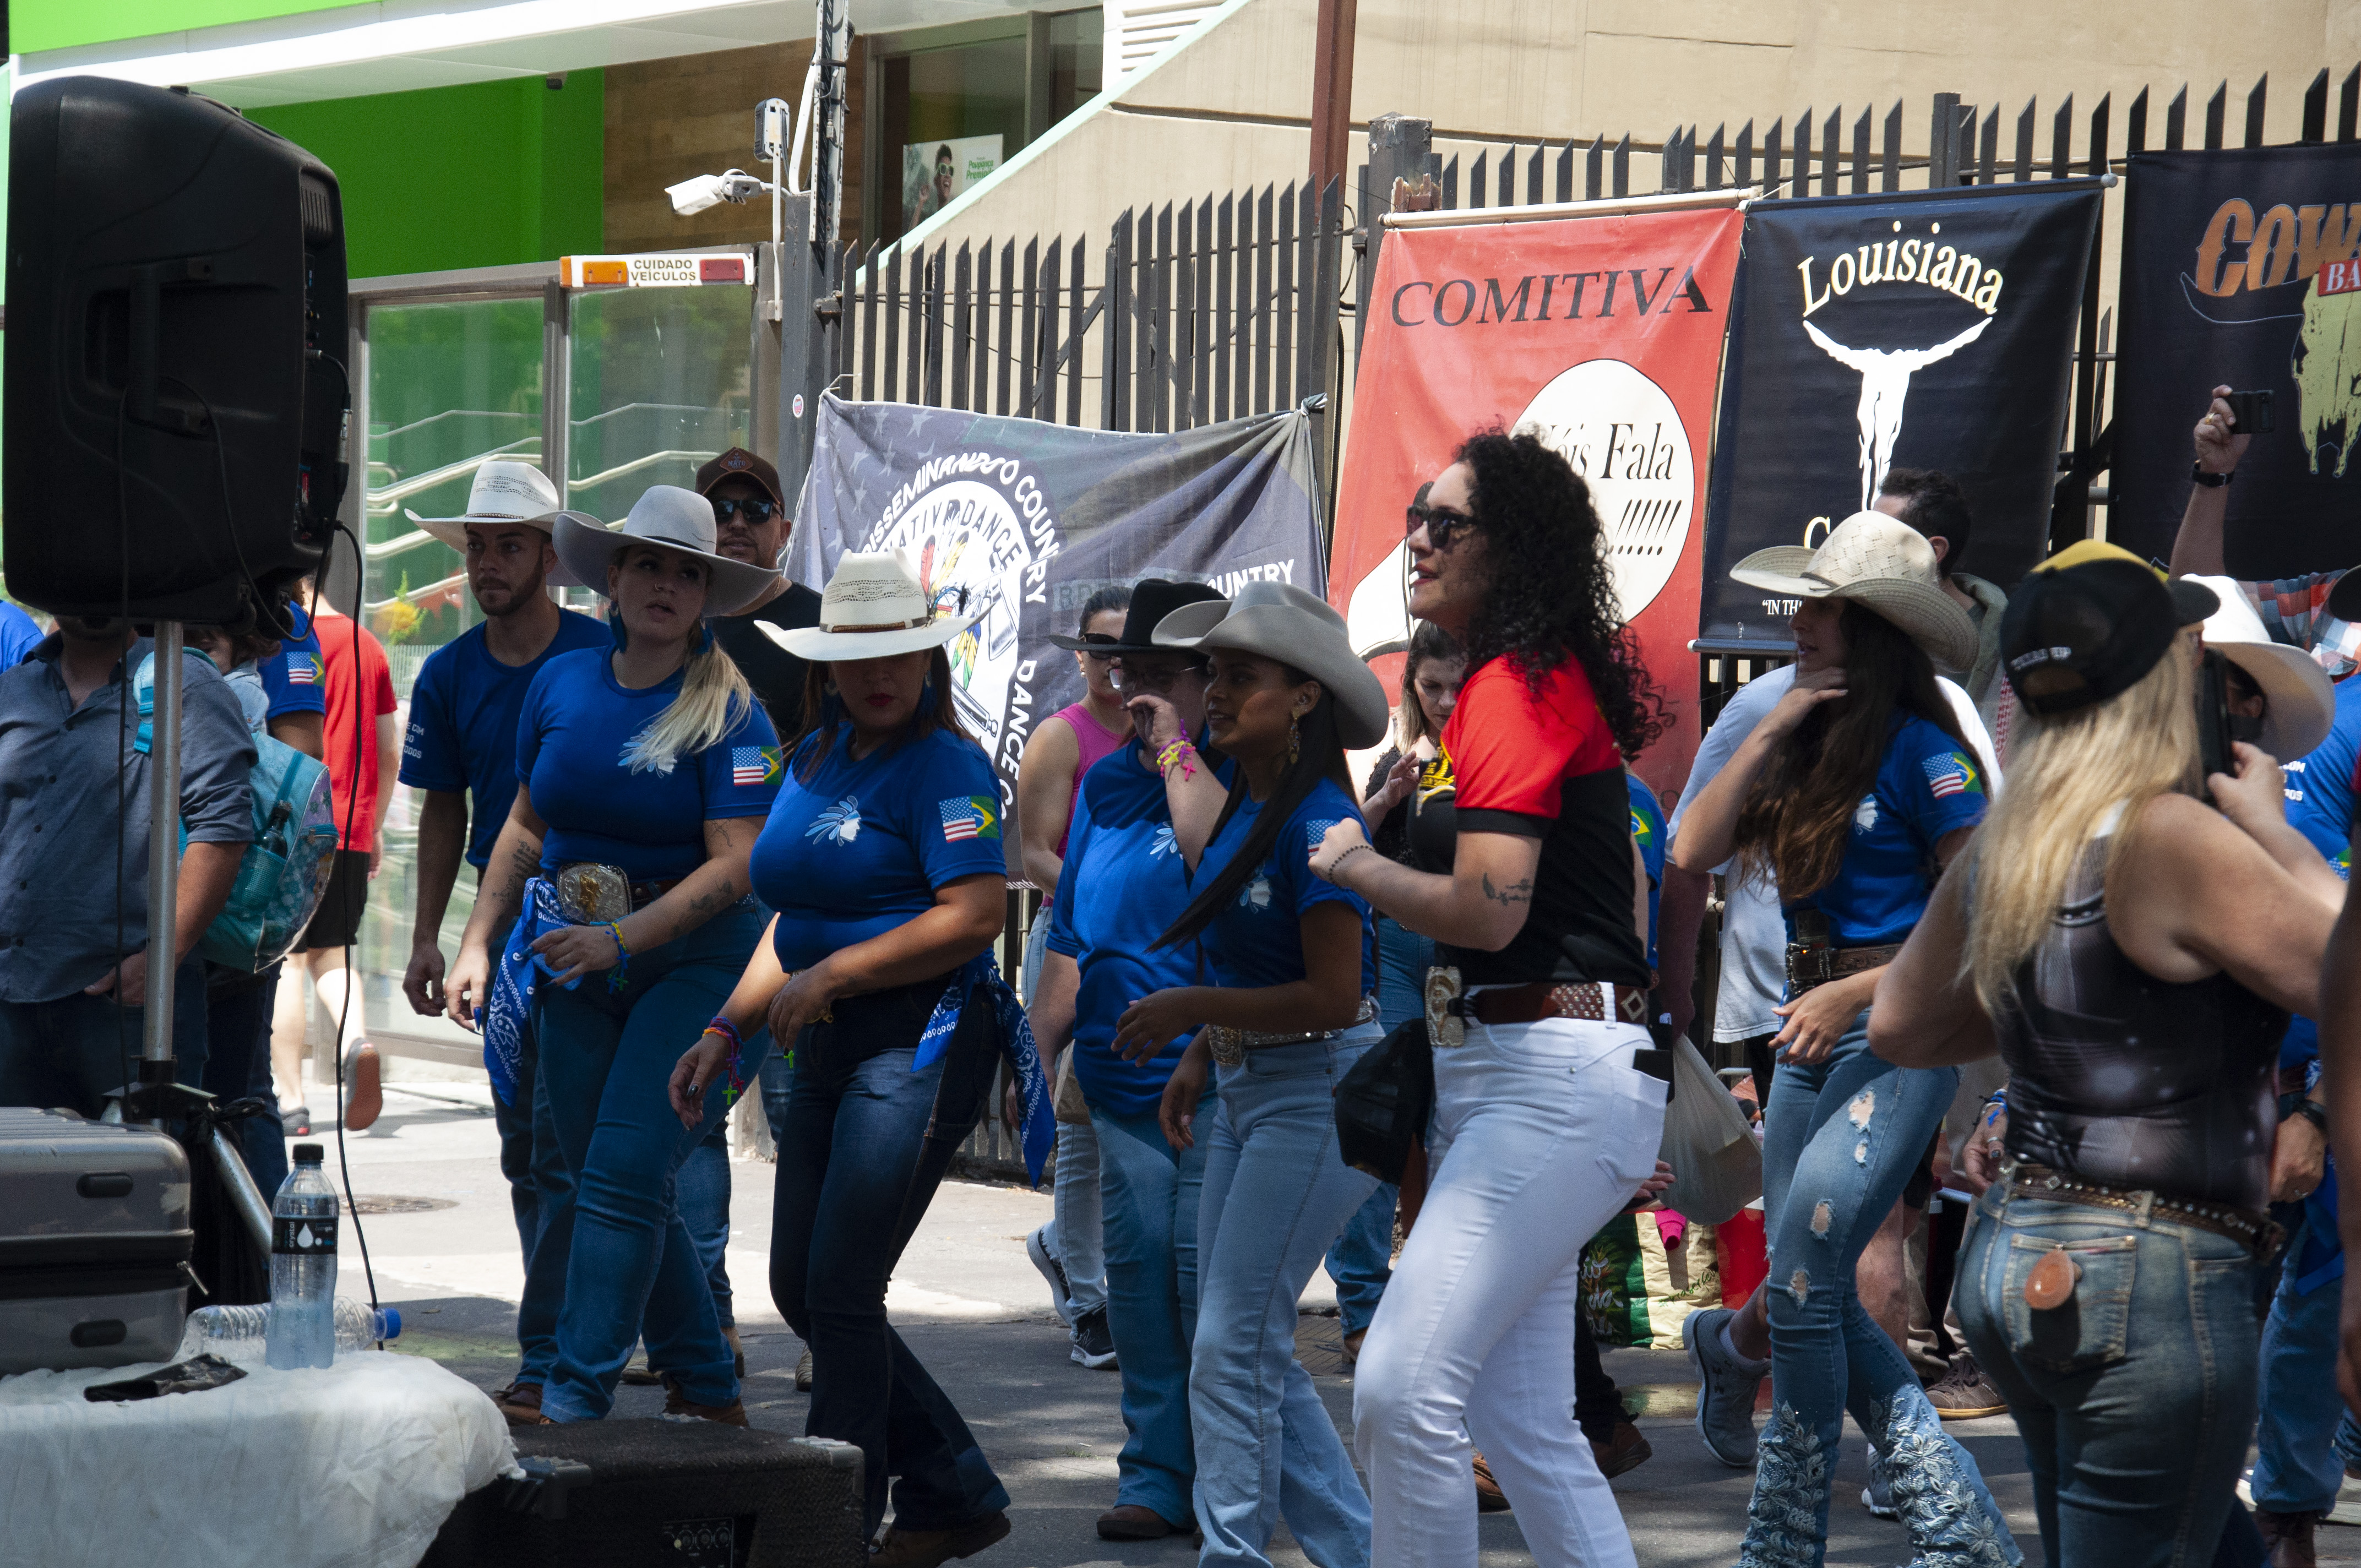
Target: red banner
[[1600, 335]]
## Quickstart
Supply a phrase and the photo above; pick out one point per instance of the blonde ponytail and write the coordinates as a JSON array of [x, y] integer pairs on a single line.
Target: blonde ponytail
[[714, 699]]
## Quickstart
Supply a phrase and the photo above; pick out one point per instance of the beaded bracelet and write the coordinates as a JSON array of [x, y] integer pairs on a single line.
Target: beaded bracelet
[[722, 1026], [618, 977], [1180, 751]]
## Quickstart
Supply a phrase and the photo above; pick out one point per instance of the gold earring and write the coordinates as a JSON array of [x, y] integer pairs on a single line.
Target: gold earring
[[1294, 740]]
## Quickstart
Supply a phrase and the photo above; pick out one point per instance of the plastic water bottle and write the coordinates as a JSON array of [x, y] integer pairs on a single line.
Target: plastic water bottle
[[228, 1330], [302, 1331]]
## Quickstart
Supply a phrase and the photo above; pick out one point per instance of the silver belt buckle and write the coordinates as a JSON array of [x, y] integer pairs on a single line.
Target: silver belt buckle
[[589, 893], [1228, 1045], [1445, 1030]]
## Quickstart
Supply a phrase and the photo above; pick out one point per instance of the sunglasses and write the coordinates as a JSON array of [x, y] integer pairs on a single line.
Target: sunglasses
[[1442, 525], [758, 509], [1155, 681], [1098, 639]]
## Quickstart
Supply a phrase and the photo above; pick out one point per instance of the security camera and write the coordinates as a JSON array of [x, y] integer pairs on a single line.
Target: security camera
[[694, 195], [773, 122]]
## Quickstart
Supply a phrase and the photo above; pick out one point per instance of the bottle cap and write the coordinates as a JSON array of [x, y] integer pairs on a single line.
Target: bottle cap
[[390, 1320], [307, 1153]]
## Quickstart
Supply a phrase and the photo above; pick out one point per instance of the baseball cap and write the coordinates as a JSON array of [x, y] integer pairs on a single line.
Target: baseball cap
[[2073, 636], [738, 462], [2192, 601]]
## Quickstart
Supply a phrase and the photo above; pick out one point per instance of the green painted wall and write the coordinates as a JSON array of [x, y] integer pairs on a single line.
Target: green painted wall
[[482, 175], [35, 25]]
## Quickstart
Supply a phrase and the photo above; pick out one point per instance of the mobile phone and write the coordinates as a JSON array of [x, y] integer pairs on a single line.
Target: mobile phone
[[2214, 734], [2250, 412]]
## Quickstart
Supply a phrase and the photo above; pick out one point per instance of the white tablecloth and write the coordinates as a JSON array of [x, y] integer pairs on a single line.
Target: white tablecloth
[[351, 1466]]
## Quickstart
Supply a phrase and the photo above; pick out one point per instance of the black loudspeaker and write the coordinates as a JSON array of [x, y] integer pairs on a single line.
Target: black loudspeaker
[[176, 386]]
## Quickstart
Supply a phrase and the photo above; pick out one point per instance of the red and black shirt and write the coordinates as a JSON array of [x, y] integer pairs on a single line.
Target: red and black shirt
[[1542, 767]]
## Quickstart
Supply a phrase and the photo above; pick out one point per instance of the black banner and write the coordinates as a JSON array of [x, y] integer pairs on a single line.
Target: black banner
[[2238, 268], [1955, 309]]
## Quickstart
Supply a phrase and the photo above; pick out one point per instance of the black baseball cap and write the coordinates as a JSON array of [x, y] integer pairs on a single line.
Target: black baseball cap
[[2076, 635]]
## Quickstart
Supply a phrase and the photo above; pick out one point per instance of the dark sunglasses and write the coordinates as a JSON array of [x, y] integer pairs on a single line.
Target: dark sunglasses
[[1442, 525], [758, 509], [1101, 640]]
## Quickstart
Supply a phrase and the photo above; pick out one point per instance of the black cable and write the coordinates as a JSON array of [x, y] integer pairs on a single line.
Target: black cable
[[352, 802]]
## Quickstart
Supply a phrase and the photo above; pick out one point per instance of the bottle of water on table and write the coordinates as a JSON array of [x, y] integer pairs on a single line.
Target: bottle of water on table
[[303, 1268], [222, 1331]]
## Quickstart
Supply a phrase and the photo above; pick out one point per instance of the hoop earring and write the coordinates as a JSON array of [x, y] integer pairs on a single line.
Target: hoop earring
[[1294, 740]]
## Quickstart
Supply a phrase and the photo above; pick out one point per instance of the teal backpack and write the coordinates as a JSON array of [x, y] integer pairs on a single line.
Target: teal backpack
[[284, 872]]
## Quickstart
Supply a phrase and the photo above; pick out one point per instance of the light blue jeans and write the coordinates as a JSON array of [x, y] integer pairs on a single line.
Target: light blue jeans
[[2136, 1397], [1840, 1139], [1151, 1192], [1276, 1194], [2298, 1466], [1076, 1222]]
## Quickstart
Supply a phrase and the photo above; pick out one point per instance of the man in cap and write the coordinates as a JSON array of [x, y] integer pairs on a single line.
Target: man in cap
[[751, 523], [460, 751]]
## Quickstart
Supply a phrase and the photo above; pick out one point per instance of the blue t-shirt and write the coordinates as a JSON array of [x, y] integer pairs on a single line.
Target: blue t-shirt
[[571, 735], [2320, 806], [1648, 832], [291, 678], [20, 635], [1123, 884], [1927, 785], [1258, 940], [860, 847], [462, 722]]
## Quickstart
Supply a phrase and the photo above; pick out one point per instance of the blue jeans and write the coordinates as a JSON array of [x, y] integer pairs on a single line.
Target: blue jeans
[[2136, 1397], [1151, 1192], [1841, 1137], [534, 1169], [867, 1141], [238, 1067], [606, 1059], [1361, 1260], [701, 1193], [1276, 1195], [1403, 958], [68, 1054]]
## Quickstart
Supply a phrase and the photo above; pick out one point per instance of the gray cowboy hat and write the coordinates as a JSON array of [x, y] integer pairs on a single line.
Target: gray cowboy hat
[[670, 517], [1884, 565], [1273, 620]]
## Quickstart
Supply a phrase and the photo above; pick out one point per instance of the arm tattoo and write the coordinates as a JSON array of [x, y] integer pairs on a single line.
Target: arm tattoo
[[1515, 892], [524, 864]]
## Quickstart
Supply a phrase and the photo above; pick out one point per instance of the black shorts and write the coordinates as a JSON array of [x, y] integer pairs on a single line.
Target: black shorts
[[337, 922]]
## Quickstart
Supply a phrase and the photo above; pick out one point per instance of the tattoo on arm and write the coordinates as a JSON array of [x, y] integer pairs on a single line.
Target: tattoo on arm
[[1515, 892], [524, 864]]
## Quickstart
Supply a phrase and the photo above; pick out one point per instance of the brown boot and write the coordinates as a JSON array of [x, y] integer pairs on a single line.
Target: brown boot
[[679, 1408], [1351, 1347], [1626, 1450], [2288, 1536], [1490, 1498], [520, 1403], [901, 1548], [1136, 1522]]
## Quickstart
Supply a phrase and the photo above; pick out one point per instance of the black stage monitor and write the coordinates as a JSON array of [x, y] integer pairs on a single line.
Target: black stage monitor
[[176, 343]]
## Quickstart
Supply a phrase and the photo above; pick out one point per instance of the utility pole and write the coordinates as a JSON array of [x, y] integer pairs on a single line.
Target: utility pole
[[1332, 92]]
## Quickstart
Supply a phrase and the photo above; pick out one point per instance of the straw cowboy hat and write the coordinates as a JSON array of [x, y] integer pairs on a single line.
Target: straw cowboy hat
[[1881, 563], [873, 608], [2302, 701], [674, 519], [503, 491], [1275, 621]]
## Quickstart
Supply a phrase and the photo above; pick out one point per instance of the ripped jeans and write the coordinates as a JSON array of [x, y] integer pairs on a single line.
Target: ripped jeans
[[1840, 1139]]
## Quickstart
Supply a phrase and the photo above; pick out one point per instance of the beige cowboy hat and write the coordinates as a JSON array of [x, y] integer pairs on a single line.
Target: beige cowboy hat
[[2302, 700], [668, 516], [1884, 565], [873, 608], [1276, 621], [503, 491]]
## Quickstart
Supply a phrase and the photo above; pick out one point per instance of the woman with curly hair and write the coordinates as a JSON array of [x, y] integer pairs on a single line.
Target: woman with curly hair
[[1545, 1121], [1850, 796]]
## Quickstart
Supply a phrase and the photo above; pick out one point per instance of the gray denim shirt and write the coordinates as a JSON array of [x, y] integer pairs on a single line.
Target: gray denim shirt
[[58, 814]]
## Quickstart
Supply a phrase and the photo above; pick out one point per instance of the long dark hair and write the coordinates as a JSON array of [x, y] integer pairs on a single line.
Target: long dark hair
[[1552, 596], [1798, 817], [824, 713], [1428, 642], [1320, 754]]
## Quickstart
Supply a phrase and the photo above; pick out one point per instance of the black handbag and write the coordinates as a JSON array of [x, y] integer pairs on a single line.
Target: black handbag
[[1384, 1102]]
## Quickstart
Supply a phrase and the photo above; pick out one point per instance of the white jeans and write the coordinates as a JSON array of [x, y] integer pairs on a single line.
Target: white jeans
[[1542, 1134]]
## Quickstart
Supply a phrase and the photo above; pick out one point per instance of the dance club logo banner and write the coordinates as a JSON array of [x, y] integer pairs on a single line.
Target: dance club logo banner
[[1602, 335], [2240, 268], [1873, 333], [1025, 521]]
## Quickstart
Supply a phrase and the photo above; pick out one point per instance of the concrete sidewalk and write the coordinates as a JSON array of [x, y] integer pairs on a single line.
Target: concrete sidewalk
[[971, 1307]]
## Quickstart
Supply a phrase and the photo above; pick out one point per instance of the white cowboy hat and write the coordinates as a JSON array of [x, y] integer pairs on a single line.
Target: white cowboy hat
[[1276, 621], [668, 516], [503, 491], [1884, 565], [2302, 701], [873, 608]]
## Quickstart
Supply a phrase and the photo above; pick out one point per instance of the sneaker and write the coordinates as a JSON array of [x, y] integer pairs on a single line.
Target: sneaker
[[297, 1124], [1878, 1495], [1965, 1392], [1626, 1450], [520, 1404], [1061, 1294], [1093, 1345], [677, 1408], [364, 1088], [804, 1372], [2289, 1537], [1726, 1388], [899, 1548]]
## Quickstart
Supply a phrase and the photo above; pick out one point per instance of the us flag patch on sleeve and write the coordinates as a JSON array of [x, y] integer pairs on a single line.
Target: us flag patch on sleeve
[[1948, 774], [970, 816], [752, 764], [303, 670]]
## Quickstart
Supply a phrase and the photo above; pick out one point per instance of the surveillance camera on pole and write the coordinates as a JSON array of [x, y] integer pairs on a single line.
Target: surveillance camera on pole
[[693, 196]]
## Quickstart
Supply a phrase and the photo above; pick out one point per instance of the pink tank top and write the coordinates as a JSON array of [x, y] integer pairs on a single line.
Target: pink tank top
[[1095, 740]]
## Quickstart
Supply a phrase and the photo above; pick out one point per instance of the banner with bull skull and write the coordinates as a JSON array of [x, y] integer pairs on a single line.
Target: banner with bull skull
[[1027, 519], [1927, 330]]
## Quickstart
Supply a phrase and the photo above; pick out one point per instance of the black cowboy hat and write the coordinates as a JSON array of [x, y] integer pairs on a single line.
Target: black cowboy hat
[[1152, 598]]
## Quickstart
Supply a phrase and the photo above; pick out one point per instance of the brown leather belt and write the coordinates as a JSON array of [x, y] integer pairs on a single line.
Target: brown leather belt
[[646, 893], [2255, 1230], [1594, 1000], [1818, 963]]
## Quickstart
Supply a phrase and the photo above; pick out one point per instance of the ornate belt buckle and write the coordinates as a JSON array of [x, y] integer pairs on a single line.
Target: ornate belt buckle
[[1228, 1045], [1445, 1027], [592, 894]]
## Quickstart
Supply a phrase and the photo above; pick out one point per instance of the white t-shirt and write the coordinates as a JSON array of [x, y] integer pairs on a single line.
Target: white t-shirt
[[1753, 932]]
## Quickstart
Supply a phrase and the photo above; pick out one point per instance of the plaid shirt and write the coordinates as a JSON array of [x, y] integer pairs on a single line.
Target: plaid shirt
[[2295, 611]]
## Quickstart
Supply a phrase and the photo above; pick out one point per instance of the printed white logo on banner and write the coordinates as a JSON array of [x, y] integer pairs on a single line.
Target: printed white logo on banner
[[1622, 434]]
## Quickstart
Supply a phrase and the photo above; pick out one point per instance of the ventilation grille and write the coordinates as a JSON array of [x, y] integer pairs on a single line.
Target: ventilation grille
[[1136, 32], [319, 207]]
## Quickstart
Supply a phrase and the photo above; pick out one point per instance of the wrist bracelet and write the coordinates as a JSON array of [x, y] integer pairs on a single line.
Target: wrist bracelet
[[1338, 863], [618, 977], [1180, 751], [722, 1026], [2313, 1112], [2198, 476]]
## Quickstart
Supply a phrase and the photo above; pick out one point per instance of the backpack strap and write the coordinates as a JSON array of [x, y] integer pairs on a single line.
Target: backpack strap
[[143, 689]]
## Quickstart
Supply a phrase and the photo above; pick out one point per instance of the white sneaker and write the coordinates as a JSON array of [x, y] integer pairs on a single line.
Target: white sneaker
[[1878, 1495], [1061, 1294]]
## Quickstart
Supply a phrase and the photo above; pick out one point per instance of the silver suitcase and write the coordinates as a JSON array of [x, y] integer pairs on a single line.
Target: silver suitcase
[[94, 1243]]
